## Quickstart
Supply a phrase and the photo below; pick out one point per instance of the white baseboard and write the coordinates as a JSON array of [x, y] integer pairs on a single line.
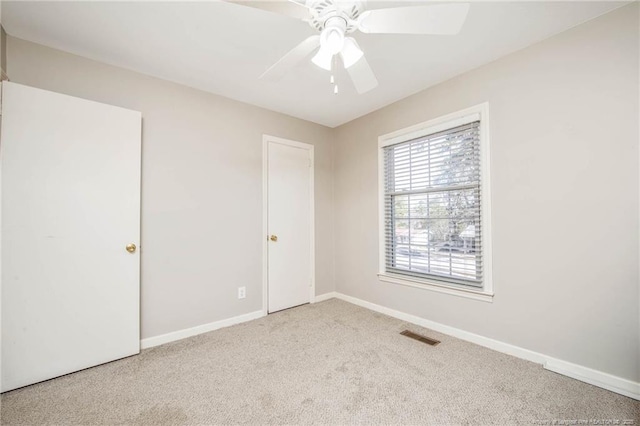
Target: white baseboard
[[594, 377], [193, 331], [326, 296]]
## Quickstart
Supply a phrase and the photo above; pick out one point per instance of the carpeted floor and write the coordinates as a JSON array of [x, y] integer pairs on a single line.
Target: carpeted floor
[[328, 363]]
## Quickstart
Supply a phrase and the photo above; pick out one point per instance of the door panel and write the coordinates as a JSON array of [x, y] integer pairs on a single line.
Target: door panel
[[70, 205], [289, 219]]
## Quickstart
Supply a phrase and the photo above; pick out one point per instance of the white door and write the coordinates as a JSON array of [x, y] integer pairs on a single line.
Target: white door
[[289, 223], [70, 206]]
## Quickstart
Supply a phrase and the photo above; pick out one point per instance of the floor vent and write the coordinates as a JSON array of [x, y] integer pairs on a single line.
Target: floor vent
[[423, 339]]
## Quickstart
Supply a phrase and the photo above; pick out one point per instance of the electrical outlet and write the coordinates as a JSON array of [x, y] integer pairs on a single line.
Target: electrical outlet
[[242, 292]]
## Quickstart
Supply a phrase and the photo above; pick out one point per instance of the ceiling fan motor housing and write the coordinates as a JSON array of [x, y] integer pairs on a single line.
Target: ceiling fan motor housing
[[322, 12]]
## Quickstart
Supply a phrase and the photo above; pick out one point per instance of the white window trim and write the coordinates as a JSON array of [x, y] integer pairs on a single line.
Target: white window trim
[[445, 122]]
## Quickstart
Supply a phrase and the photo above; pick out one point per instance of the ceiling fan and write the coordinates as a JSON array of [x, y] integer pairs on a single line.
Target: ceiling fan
[[335, 20]]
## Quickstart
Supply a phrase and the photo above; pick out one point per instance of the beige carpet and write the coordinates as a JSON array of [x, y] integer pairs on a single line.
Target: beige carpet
[[328, 363]]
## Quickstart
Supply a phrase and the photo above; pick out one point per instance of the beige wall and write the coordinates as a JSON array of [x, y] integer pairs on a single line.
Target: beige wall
[[564, 136], [3, 44], [3, 49], [201, 186]]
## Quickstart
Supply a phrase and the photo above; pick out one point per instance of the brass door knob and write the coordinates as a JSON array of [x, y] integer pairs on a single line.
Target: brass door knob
[[274, 238], [131, 248]]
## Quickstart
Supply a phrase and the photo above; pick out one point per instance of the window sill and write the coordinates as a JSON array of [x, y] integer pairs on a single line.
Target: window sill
[[481, 295]]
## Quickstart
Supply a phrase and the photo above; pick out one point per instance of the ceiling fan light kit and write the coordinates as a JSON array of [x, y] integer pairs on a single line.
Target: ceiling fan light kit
[[323, 59], [334, 19], [351, 52], [333, 41]]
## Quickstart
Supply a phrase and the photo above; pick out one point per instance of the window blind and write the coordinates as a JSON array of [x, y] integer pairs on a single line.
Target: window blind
[[432, 206]]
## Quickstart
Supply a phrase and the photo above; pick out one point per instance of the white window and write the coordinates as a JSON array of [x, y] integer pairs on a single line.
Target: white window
[[434, 205]]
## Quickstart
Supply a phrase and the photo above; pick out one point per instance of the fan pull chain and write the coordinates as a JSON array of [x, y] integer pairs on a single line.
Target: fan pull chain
[[332, 79]]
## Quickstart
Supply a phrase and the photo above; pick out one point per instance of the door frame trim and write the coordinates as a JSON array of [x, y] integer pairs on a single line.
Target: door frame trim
[[266, 139]]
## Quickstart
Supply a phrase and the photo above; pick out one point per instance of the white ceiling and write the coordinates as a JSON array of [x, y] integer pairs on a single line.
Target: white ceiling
[[223, 48]]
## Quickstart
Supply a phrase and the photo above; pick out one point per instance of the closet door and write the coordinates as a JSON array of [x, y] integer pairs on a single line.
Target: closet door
[[290, 223], [70, 228]]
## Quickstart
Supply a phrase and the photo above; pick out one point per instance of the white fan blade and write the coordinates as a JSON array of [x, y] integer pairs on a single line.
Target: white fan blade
[[437, 19], [292, 58], [362, 76], [291, 8]]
